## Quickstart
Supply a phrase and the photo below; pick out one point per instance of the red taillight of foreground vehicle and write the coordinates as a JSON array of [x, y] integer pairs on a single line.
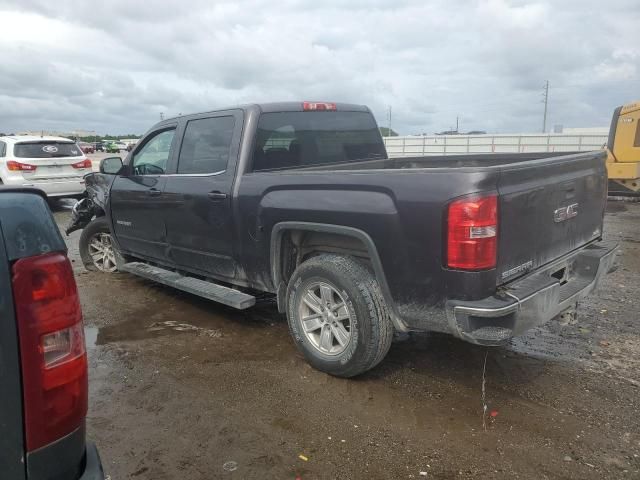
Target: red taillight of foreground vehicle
[[14, 166], [52, 348], [472, 233], [86, 163]]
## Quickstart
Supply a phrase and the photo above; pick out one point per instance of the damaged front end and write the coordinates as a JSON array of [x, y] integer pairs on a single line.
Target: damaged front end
[[97, 192]]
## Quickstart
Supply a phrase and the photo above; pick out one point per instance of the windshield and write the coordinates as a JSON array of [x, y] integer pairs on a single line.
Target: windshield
[[46, 149], [300, 139]]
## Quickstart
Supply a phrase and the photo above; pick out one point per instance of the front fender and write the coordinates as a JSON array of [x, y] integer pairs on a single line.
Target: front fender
[[93, 205]]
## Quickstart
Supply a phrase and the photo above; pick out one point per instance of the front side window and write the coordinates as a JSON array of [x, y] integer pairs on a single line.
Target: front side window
[[153, 157], [206, 145]]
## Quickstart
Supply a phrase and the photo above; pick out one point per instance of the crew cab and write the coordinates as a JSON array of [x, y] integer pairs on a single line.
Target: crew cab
[[43, 362], [300, 200]]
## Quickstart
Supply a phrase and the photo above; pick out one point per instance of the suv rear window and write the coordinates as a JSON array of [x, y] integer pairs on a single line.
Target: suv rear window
[[302, 139], [46, 149]]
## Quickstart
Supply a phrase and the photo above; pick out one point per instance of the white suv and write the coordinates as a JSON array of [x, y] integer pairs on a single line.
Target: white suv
[[53, 164]]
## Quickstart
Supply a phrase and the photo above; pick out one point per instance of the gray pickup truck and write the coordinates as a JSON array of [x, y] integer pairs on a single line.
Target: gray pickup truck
[[299, 200], [43, 362]]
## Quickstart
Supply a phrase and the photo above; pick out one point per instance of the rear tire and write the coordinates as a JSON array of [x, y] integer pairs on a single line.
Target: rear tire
[[337, 316], [96, 247]]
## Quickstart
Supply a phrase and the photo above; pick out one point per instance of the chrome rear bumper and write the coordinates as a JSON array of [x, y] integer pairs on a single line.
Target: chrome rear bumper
[[534, 299]]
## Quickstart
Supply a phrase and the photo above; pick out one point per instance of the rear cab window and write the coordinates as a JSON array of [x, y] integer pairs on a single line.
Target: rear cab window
[[304, 139], [46, 149]]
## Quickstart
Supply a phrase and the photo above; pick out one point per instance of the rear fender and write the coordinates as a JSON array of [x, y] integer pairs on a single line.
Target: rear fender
[[276, 255]]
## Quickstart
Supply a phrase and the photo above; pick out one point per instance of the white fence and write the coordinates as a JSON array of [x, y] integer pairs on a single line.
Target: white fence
[[461, 144]]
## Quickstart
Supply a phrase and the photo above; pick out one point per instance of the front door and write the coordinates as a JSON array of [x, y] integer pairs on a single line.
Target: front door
[[136, 197], [197, 211]]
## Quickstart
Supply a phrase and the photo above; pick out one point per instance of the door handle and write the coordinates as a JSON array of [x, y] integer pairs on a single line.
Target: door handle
[[153, 192], [217, 195]]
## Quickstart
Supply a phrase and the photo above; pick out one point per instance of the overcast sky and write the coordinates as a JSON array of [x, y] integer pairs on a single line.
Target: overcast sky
[[113, 66]]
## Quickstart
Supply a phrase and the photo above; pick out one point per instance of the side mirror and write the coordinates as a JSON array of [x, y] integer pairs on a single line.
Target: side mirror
[[111, 165]]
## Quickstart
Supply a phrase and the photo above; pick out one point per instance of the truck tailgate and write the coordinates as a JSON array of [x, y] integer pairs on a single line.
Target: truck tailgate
[[548, 208]]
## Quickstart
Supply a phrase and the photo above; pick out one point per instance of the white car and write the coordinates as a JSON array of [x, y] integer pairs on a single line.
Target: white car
[[54, 164]]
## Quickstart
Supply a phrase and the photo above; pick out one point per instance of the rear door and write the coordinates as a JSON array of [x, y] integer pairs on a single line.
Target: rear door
[[136, 199], [547, 209], [197, 211]]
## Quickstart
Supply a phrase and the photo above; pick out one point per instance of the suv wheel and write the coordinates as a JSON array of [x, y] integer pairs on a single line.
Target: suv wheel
[[96, 248], [337, 315]]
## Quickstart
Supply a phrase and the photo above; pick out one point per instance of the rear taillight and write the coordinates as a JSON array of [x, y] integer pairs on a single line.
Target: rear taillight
[[14, 166], [86, 163], [472, 233], [52, 348], [306, 106]]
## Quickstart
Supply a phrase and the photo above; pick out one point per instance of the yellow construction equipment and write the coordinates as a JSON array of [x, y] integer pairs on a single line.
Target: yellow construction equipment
[[623, 148]]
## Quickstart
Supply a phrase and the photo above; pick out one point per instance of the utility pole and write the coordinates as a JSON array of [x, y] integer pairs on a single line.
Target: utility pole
[[389, 131], [457, 118], [546, 103]]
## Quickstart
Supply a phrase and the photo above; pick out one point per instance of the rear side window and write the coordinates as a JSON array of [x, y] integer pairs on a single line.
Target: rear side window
[[302, 139], [636, 142], [46, 149], [3, 149], [206, 145]]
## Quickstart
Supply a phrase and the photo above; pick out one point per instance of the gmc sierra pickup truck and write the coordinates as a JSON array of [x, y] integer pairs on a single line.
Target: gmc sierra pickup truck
[[301, 201], [43, 362]]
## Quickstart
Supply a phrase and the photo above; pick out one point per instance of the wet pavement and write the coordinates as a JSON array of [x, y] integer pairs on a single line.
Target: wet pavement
[[183, 388]]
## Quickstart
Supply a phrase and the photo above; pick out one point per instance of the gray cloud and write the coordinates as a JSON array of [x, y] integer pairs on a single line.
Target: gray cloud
[[113, 66]]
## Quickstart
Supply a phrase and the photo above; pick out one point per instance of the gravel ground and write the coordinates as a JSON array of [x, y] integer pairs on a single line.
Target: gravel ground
[[183, 388]]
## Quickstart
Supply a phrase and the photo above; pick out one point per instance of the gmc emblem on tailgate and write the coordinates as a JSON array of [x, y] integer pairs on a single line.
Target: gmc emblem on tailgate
[[565, 213]]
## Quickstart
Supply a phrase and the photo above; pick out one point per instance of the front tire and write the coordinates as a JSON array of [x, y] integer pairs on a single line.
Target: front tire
[[337, 316], [96, 247]]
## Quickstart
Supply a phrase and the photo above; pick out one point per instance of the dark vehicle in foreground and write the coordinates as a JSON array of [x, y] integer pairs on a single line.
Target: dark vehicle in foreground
[[301, 201], [43, 362]]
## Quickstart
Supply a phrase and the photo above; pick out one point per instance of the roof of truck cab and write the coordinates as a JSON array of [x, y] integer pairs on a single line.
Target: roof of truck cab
[[34, 138], [272, 107]]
